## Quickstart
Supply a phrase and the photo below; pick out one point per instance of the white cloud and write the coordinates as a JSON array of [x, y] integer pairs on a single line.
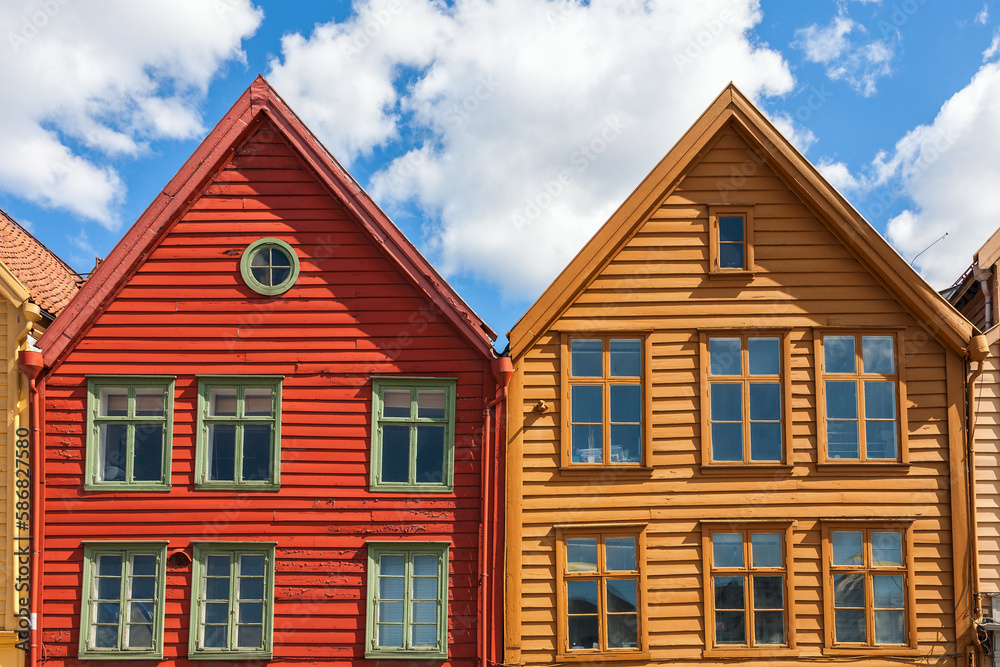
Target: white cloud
[[106, 77], [993, 48], [534, 119], [950, 172], [838, 174], [800, 136], [858, 64], [983, 16]]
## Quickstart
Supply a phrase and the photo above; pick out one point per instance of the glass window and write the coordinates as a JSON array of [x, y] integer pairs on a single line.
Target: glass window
[[233, 599], [861, 395], [413, 434], [407, 601], [869, 581], [122, 602], [601, 592], [129, 433], [239, 432], [745, 415], [748, 584], [269, 267], [605, 401], [730, 239], [731, 242]]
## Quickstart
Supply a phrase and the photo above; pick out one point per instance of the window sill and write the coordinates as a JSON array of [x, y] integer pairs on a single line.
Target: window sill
[[413, 488], [880, 651], [230, 655], [744, 652], [583, 469], [763, 469], [112, 487], [599, 656], [733, 274], [862, 468], [235, 486], [406, 655], [120, 655]]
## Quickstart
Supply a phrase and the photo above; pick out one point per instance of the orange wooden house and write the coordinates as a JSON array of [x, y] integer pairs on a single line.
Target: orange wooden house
[[737, 429]]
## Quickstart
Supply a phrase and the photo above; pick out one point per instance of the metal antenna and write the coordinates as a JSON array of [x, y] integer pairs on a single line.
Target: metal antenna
[[926, 249]]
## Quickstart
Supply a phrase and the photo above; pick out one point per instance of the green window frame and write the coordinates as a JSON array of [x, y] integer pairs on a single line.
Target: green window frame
[[419, 431], [232, 601], [124, 589], [232, 419], [269, 266], [138, 411], [407, 612]]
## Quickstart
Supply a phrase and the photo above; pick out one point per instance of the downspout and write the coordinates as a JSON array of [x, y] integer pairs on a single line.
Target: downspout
[[979, 349], [31, 365], [503, 370], [983, 276]]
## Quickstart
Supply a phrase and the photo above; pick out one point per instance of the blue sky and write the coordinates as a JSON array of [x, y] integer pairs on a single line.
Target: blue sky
[[470, 122]]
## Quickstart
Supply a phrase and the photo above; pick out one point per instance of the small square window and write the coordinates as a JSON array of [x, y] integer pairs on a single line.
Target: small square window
[[730, 240]]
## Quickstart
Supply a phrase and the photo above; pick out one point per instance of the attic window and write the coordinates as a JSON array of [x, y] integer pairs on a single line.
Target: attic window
[[269, 266]]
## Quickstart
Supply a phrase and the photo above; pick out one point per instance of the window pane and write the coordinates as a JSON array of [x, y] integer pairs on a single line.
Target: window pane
[[880, 439], [143, 565], [838, 354], [588, 403], [425, 588], [250, 636], [727, 402], [768, 592], [727, 442], [769, 627], [888, 590], [588, 443], [391, 588], [140, 636], [109, 566], [581, 597], [112, 446], [107, 612], [880, 400], [766, 549], [395, 453], [147, 462], [626, 358], [279, 258], [257, 452], [765, 401], [730, 627], [619, 554], [849, 626], [583, 632], [216, 612], [251, 612], [887, 549], [149, 402], [765, 441], [217, 566], [890, 627], [396, 403], [765, 356], [626, 403], [430, 453], [251, 588], [113, 401], [217, 588], [877, 354], [731, 228], [390, 635], [257, 401], [222, 402], [216, 636], [727, 549], [252, 565], [586, 358], [724, 354], [842, 440], [430, 403], [849, 590], [848, 547], [623, 631], [424, 612], [425, 565], [841, 400], [424, 635], [143, 588], [390, 612], [731, 255], [261, 274], [581, 554], [392, 565], [222, 452], [621, 595], [626, 443]]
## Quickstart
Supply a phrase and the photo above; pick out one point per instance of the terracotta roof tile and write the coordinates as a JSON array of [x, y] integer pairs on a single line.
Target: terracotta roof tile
[[51, 282]]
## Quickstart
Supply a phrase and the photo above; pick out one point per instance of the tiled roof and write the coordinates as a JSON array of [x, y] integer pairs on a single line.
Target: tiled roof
[[49, 279]]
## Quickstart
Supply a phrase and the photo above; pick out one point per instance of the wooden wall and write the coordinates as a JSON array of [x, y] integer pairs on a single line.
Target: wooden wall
[[806, 277], [988, 471], [186, 312]]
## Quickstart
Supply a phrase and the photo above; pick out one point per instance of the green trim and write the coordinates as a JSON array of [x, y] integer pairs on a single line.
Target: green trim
[[91, 550], [414, 384], [240, 421], [256, 285], [409, 550], [92, 481], [234, 550]]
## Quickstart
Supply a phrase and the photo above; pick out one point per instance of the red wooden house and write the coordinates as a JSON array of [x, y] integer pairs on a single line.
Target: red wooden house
[[266, 429]]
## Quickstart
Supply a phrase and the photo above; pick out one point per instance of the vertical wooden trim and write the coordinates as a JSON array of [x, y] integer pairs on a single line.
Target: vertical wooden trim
[[704, 407], [562, 622], [709, 597], [958, 476], [563, 405], [820, 393], [787, 416], [911, 589], [713, 240], [790, 621], [826, 586], [647, 400], [901, 412], [748, 238], [515, 494], [642, 565]]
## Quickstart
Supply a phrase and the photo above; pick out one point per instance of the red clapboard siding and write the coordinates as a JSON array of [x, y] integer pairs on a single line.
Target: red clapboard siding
[[352, 314]]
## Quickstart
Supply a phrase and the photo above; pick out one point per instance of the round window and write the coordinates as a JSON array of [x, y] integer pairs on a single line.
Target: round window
[[269, 266]]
